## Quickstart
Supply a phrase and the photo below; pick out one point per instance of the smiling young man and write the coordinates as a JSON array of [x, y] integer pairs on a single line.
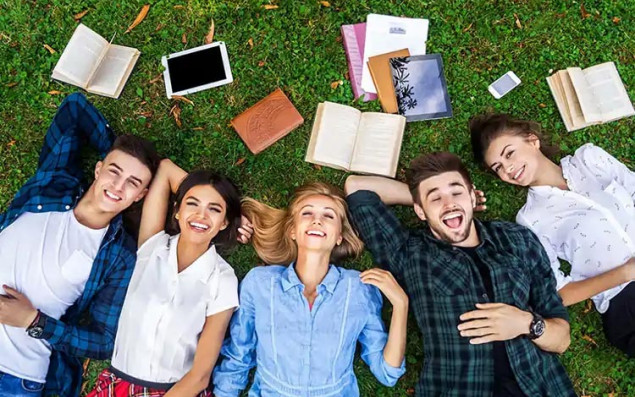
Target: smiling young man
[[66, 260], [483, 293]]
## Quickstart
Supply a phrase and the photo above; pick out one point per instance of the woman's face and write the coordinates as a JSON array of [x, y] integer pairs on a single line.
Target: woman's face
[[316, 224], [202, 214], [514, 158]]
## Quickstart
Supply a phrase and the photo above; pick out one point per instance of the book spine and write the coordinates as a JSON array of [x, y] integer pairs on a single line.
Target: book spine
[[353, 57]]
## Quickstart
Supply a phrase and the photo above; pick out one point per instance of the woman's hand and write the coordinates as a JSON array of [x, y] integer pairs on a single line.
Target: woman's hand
[[480, 200], [387, 284], [245, 230]]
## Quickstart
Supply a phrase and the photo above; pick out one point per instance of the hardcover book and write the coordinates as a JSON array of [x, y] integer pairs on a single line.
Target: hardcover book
[[379, 67], [353, 38], [266, 122], [347, 139], [595, 95], [94, 64]]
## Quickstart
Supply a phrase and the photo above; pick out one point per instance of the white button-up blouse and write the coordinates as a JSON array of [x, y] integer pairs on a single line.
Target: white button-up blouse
[[592, 225], [164, 311]]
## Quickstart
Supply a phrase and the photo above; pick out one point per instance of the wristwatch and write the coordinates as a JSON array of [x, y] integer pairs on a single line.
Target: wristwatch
[[36, 329], [537, 326]]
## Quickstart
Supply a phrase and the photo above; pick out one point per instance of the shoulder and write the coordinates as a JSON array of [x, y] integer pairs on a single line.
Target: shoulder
[[369, 292], [588, 154], [505, 232], [225, 270], [263, 273]]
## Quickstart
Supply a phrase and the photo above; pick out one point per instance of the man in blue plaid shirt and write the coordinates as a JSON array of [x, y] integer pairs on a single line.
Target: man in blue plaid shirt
[[483, 293], [66, 260]]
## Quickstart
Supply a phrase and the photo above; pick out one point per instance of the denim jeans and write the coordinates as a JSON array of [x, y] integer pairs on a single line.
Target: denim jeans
[[11, 386]]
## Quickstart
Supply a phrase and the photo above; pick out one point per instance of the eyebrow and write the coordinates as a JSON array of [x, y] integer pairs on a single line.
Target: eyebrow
[[121, 170], [452, 184], [503, 151], [311, 205], [431, 191], [198, 201]]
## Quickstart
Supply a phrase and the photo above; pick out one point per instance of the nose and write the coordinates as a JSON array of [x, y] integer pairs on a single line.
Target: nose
[[119, 184], [317, 220]]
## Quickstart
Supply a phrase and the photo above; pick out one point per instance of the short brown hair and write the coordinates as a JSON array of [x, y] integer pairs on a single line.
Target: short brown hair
[[139, 148], [433, 164], [487, 127]]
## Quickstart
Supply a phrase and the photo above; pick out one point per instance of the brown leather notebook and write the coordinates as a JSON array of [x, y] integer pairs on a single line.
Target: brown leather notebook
[[379, 67], [267, 121]]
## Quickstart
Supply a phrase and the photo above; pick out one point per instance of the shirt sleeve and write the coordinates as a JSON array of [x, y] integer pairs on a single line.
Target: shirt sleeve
[[379, 228], [373, 339], [550, 250], [97, 339], [239, 350], [225, 293], [543, 296], [600, 161]]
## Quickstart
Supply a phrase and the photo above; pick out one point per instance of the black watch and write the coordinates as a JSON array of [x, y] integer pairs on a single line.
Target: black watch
[[537, 326], [36, 329]]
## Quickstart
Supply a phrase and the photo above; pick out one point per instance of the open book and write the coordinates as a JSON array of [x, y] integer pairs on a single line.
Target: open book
[[94, 64], [347, 139], [595, 95]]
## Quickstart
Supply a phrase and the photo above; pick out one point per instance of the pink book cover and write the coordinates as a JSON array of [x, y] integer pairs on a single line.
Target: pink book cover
[[354, 37]]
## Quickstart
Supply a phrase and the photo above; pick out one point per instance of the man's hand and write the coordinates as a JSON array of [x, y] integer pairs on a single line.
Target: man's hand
[[480, 200], [15, 309], [245, 231], [494, 322]]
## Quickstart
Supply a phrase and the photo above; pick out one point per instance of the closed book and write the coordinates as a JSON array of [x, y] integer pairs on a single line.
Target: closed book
[[354, 38], [380, 71], [266, 122]]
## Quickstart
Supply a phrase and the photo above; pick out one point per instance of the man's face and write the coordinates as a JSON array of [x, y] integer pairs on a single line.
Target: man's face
[[447, 203], [120, 180]]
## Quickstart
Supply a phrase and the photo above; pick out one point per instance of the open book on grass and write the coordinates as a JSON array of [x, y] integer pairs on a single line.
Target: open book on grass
[[347, 139], [94, 64], [595, 95]]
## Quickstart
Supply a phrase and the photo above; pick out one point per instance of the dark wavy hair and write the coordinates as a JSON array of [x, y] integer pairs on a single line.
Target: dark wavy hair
[[225, 239]]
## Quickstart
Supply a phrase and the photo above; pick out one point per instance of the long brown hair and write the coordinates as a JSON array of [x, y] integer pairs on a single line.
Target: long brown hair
[[272, 227]]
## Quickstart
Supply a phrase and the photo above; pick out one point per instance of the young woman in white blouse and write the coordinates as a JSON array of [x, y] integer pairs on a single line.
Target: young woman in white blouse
[[581, 210], [182, 293]]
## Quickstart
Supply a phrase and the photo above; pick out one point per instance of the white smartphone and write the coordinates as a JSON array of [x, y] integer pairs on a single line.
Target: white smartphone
[[196, 69], [504, 84]]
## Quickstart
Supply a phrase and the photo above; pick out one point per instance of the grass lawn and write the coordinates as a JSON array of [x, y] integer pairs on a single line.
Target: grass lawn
[[298, 47]]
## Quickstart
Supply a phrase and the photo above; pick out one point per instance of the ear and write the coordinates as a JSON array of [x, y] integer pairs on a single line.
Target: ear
[[534, 141], [292, 233], [224, 225], [141, 195], [340, 239], [98, 168], [419, 211], [473, 198]]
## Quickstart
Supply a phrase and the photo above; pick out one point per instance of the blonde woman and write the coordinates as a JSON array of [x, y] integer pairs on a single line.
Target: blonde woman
[[299, 322]]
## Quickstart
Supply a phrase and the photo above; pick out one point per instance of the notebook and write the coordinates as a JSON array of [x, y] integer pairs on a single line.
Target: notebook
[[385, 33], [353, 38], [379, 67], [266, 122], [420, 87]]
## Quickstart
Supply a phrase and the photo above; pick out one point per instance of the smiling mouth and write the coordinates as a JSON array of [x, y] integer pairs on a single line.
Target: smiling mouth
[[111, 196], [519, 173], [453, 220], [198, 227], [315, 233]]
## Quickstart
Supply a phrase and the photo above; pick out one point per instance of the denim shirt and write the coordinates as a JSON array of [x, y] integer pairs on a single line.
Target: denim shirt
[[298, 351]]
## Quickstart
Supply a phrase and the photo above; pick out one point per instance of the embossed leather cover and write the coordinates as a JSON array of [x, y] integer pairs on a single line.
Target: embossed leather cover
[[263, 124]]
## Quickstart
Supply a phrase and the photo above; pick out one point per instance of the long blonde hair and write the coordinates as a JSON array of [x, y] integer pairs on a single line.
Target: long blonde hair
[[272, 227]]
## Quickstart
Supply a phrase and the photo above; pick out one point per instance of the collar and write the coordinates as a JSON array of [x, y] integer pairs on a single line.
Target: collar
[[201, 269], [290, 278]]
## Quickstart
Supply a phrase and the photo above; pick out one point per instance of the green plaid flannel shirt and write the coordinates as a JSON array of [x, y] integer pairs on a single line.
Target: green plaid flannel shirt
[[442, 283]]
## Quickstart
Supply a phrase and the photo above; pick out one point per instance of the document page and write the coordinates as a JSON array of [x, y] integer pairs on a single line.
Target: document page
[[610, 94], [378, 144], [80, 57]]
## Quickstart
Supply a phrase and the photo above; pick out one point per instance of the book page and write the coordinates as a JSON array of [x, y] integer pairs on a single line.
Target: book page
[[114, 66], [590, 109], [610, 94], [333, 136], [573, 104], [555, 87], [378, 144], [80, 57]]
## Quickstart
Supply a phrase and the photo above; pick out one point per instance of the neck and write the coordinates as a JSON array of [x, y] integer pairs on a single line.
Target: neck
[[472, 239], [311, 268], [550, 175], [187, 253], [89, 215]]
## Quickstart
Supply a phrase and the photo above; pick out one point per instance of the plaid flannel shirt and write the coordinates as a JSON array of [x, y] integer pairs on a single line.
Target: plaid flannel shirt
[[443, 283], [57, 186]]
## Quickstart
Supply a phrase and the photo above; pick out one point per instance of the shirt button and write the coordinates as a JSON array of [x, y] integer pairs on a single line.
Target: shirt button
[[39, 207], [68, 207]]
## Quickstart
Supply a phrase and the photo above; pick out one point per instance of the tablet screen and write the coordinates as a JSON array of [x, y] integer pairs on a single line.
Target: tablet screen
[[196, 69]]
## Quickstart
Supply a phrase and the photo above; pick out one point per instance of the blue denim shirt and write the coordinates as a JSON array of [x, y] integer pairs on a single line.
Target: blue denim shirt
[[297, 351]]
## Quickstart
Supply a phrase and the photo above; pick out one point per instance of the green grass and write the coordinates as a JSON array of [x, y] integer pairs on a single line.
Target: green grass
[[297, 47]]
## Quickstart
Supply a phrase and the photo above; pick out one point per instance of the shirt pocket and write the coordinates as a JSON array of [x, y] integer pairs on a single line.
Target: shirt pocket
[[519, 283]]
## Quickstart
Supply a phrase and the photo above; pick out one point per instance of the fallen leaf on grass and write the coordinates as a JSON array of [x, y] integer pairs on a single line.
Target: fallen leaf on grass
[[176, 113], [270, 6], [588, 306], [80, 15], [11, 85], [561, 15], [210, 33], [261, 63], [179, 7], [240, 161], [542, 105], [156, 79], [159, 27], [325, 3], [139, 18], [335, 84], [251, 43], [197, 129], [54, 92], [584, 12], [84, 384], [468, 27], [49, 49], [147, 114], [11, 143], [184, 38], [616, 20], [589, 339], [85, 366], [182, 99], [317, 166], [518, 21]]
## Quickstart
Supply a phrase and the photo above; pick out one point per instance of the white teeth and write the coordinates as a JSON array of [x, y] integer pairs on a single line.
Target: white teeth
[[199, 225], [112, 196], [451, 216], [315, 233], [519, 172]]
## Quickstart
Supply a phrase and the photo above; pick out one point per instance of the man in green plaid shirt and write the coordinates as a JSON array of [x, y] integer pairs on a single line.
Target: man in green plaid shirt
[[483, 293]]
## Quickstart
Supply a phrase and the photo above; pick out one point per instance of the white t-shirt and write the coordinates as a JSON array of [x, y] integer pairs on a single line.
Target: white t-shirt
[[592, 225], [164, 311], [47, 257]]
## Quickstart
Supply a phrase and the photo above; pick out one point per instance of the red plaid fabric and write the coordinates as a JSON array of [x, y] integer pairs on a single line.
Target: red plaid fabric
[[108, 385]]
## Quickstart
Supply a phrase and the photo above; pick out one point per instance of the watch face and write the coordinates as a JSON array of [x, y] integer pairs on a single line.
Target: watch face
[[35, 332], [538, 328]]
